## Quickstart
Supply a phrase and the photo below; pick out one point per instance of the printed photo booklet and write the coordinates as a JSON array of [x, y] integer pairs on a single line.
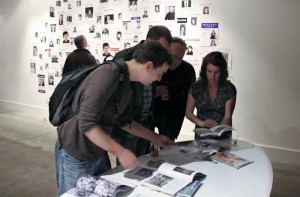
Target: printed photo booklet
[[231, 159], [94, 187], [213, 131], [170, 179], [147, 166], [198, 149]]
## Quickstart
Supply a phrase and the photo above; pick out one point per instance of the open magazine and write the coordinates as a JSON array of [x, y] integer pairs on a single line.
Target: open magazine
[[170, 179], [213, 131], [91, 186], [231, 159], [198, 149], [147, 166]]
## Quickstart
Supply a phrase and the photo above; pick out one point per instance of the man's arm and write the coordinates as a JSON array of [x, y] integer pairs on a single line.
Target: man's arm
[[101, 139], [140, 131]]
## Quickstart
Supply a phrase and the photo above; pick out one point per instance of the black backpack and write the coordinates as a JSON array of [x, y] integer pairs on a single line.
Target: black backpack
[[60, 104]]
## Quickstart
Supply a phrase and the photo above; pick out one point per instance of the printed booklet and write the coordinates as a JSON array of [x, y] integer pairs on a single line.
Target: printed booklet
[[231, 159], [198, 149], [170, 179], [152, 173], [213, 131], [147, 166], [94, 187]]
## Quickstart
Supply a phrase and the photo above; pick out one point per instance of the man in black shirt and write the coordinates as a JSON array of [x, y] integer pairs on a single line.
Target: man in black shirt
[[172, 92], [79, 57]]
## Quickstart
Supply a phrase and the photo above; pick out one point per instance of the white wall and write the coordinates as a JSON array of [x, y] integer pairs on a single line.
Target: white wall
[[18, 20], [263, 36]]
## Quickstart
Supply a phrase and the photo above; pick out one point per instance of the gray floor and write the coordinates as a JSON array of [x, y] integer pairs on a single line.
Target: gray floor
[[27, 160]]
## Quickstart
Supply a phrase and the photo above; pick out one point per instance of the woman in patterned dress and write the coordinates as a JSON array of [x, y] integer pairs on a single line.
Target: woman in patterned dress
[[213, 95]]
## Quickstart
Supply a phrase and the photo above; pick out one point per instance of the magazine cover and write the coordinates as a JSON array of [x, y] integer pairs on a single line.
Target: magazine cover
[[231, 159]]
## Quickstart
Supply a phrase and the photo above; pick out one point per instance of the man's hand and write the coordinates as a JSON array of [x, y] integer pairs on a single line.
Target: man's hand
[[127, 159], [100, 138], [164, 141], [163, 92], [140, 131]]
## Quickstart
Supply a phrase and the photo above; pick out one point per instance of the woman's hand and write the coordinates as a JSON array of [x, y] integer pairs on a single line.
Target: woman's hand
[[209, 123]]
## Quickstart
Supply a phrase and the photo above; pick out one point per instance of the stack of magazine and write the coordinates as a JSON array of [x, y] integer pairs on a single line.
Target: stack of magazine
[[152, 173], [200, 150], [155, 174], [214, 151]]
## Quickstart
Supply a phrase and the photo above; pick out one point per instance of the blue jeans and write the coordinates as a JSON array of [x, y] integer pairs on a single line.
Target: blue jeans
[[69, 169]]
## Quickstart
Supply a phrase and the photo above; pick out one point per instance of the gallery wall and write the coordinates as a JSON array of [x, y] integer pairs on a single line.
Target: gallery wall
[[111, 26], [259, 35]]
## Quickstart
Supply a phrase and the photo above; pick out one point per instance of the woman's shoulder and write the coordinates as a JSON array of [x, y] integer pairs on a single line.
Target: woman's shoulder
[[230, 87], [196, 86], [229, 84]]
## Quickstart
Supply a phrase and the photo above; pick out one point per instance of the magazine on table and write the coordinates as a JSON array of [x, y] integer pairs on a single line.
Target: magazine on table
[[169, 178], [190, 189], [199, 149], [146, 167], [213, 131], [91, 186], [231, 159]]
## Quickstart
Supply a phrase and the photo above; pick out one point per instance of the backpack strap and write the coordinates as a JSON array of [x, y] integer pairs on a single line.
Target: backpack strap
[[120, 68], [117, 95], [109, 56]]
